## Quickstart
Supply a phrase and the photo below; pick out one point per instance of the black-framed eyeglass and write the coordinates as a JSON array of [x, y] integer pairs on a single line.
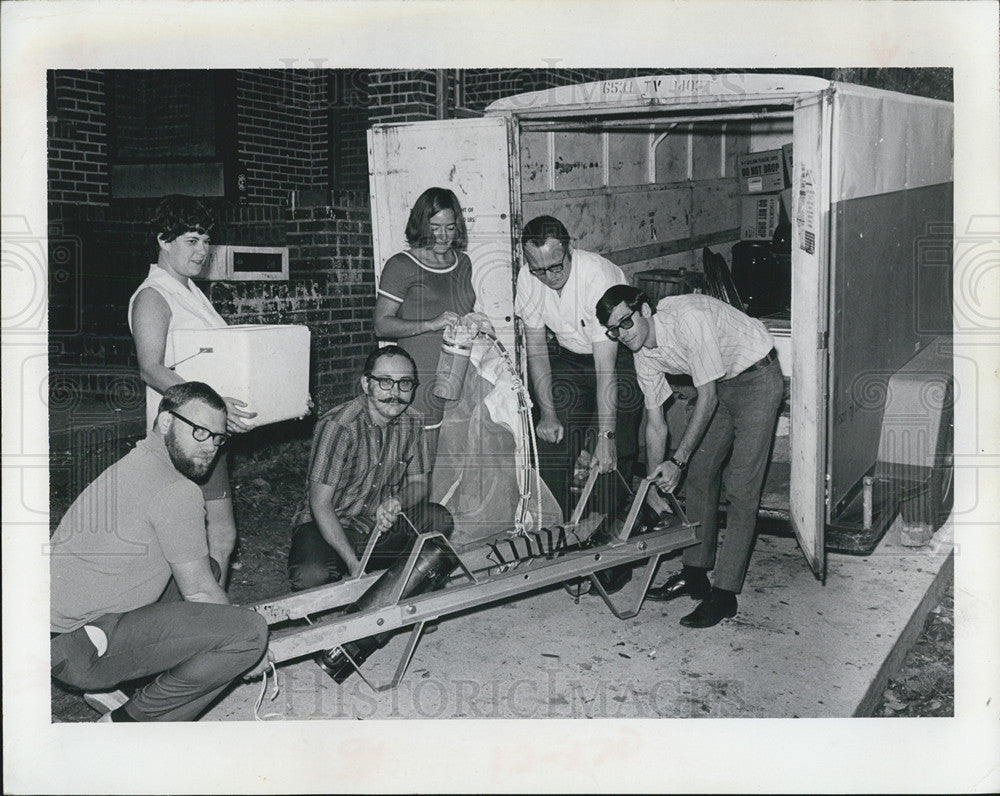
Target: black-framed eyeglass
[[555, 270], [614, 332], [200, 433], [405, 384]]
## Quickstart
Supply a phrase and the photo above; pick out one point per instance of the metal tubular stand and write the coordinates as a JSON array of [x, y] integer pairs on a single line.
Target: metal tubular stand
[[414, 612], [636, 591]]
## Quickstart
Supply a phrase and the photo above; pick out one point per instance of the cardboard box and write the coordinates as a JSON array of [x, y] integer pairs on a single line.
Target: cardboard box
[[761, 172], [786, 155], [265, 365], [786, 202], [759, 216]]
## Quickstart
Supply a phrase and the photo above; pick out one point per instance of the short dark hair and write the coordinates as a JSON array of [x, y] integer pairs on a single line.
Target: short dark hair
[[177, 214], [181, 394], [387, 351], [429, 204], [615, 295], [540, 229]]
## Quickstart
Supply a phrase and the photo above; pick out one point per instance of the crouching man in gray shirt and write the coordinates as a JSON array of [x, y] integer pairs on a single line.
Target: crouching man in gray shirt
[[134, 593]]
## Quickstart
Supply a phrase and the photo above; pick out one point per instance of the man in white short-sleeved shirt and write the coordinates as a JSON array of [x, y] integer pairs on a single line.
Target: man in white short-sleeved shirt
[[733, 365], [576, 381]]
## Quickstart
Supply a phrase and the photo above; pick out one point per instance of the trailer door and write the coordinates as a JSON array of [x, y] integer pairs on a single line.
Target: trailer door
[[890, 203], [810, 317], [472, 158]]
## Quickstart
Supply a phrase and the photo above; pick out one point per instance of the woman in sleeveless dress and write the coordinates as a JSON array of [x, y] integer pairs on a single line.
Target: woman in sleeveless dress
[[424, 290], [169, 300]]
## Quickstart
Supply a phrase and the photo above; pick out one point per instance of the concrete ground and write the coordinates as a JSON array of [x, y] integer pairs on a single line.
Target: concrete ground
[[797, 648]]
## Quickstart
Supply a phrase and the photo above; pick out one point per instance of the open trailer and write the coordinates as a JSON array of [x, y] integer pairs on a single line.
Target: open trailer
[[644, 171]]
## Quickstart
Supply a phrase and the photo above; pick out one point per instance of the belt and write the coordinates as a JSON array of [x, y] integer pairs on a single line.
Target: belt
[[555, 349], [763, 362]]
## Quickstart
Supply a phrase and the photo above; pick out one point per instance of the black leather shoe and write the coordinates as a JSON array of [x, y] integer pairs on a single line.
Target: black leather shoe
[[331, 662], [698, 588], [335, 663], [717, 606]]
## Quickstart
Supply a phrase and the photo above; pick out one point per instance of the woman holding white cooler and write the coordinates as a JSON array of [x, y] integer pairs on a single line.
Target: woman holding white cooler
[[169, 300]]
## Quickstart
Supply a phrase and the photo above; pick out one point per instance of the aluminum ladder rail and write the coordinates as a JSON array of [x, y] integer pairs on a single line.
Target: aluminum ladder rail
[[493, 585]]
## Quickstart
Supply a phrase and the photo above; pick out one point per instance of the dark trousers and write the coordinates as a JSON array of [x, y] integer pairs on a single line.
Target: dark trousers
[[574, 394], [312, 562], [741, 430], [194, 649]]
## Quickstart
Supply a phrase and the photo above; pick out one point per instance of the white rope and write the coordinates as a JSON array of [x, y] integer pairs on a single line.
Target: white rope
[[531, 448], [263, 690]]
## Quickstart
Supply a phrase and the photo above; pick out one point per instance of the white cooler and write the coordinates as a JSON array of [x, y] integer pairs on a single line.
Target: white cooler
[[265, 365]]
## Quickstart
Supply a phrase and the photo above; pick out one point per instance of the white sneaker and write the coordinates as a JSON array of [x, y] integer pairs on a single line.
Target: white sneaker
[[105, 701], [105, 717]]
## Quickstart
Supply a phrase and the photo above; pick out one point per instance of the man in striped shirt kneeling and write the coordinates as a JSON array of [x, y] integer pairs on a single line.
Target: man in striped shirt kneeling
[[369, 473]]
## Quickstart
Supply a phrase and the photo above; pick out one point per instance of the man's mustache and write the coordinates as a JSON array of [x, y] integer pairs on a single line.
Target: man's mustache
[[393, 401]]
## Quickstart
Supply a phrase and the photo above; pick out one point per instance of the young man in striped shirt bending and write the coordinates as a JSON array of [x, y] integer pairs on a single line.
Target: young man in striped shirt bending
[[733, 365]]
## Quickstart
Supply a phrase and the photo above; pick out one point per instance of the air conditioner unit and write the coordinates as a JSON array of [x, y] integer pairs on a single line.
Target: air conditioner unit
[[247, 263]]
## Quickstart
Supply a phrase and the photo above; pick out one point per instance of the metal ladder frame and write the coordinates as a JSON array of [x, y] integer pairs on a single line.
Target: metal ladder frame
[[480, 588]]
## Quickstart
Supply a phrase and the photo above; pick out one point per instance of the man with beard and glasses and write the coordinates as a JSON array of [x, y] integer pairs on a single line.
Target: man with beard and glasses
[[134, 593], [368, 472]]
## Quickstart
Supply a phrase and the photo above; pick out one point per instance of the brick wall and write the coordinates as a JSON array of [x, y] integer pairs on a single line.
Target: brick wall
[[331, 290], [332, 247], [350, 99], [411, 95], [284, 117], [98, 256], [483, 86], [77, 137], [353, 155], [281, 132], [402, 96]]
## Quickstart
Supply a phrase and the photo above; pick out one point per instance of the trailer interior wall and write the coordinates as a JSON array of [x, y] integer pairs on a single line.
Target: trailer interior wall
[[654, 198], [644, 198]]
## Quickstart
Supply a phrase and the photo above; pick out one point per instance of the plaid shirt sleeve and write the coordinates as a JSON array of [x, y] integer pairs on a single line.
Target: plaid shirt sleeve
[[416, 453], [331, 453]]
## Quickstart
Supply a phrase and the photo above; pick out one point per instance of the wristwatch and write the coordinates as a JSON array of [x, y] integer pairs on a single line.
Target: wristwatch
[[676, 463], [606, 434]]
